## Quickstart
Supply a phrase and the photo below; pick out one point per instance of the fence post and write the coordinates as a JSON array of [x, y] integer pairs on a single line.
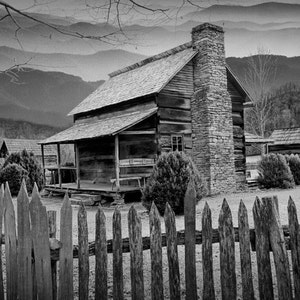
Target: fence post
[[262, 245], [171, 236], [136, 254], [207, 255], [295, 245], [24, 245], [279, 251], [157, 288], [52, 234], [190, 242], [227, 254], [101, 256], [40, 237], [117, 256], [83, 254], [65, 288], [1, 229], [10, 246]]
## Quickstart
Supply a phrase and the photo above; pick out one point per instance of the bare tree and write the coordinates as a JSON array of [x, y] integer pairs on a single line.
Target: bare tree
[[259, 79]]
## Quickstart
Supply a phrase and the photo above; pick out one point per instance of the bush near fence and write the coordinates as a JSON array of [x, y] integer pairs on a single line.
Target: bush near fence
[[32, 258]]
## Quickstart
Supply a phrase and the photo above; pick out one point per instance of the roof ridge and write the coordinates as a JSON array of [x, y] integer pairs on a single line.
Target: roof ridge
[[151, 59]]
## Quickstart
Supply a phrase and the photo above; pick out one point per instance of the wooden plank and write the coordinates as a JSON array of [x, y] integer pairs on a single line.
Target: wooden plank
[[284, 285], [172, 252], [65, 290], [117, 256], [157, 289], [77, 161], [83, 254], [24, 245], [52, 235], [141, 132], [245, 253], [227, 254], [136, 254], [10, 246], [101, 256], [40, 238], [183, 128], [43, 162], [265, 283], [207, 255], [59, 165], [1, 230], [295, 245], [173, 100], [117, 164], [190, 246]]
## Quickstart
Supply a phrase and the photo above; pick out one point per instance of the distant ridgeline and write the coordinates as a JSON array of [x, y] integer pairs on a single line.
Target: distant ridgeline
[[25, 130]]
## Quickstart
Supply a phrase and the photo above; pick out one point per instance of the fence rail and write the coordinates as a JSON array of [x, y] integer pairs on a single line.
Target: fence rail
[[33, 253]]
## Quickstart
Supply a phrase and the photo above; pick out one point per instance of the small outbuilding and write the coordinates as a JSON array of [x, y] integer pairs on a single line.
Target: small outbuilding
[[286, 141], [9, 146], [185, 99]]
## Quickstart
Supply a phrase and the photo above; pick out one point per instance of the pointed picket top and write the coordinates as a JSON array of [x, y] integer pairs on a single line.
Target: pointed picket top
[[116, 212], [82, 210], [168, 209], [8, 204], [225, 211], [132, 214], [23, 195], [66, 202], [35, 197], [154, 210], [100, 213], [291, 204], [257, 206], [190, 194], [1, 200], [206, 209]]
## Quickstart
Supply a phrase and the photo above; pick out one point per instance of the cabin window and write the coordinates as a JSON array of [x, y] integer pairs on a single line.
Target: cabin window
[[177, 143]]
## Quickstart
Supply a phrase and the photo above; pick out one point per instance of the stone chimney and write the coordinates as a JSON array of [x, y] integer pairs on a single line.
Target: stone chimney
[[211, 111]]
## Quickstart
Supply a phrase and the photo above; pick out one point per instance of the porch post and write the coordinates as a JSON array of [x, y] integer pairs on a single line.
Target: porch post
[[117, 166], [43, 163], [77, 165], [58, 165]]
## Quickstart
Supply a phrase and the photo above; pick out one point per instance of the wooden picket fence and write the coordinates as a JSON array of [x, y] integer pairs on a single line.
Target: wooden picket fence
[[32, 258]]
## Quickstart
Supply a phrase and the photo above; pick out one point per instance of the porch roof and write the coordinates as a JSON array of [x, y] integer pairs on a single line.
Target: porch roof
[[98, 128]]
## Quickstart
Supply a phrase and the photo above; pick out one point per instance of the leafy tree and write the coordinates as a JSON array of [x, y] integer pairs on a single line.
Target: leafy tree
[[294, 164]]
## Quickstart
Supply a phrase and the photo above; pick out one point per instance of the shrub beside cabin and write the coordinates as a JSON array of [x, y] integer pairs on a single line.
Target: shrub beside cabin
[[184, 99]]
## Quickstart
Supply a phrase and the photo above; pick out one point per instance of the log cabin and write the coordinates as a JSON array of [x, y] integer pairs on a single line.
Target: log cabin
[[286, 141], [184, 99]]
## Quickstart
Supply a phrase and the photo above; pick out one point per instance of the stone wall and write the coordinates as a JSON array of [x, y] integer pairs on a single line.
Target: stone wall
[[211, 111]]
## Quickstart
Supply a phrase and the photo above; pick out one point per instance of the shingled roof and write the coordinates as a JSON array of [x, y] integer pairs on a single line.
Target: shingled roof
[[256, 139], [144, 78], [286, 136], [102, 127], [18, 145]]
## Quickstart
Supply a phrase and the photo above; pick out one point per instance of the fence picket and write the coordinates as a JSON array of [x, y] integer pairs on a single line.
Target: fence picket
[[40, 237], [245, 253], [65, 288], [52, 234], [227, 254], [157, 289], [172, 252], [117, 256], [190, 242], [24, 245], [295, 245], [284, 285], [83, 254], [1, 229], [262, 244], [207, 256], [101, 256], [136, 254], [10, 246]]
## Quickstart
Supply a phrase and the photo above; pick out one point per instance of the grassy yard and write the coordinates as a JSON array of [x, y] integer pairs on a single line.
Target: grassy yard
[[214, 202]]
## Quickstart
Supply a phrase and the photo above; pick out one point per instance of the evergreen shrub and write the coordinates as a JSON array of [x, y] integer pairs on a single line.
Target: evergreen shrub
[[294, 164], [168, 182], [13, 174], [29, 163], [274, 172]]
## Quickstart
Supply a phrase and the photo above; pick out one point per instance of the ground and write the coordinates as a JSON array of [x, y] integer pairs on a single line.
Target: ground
[[214, 202]]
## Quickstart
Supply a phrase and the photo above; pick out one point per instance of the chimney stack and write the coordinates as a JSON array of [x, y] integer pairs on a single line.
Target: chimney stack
[[211, 110]]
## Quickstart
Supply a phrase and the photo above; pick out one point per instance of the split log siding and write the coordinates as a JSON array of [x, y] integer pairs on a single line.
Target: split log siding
[[175, 109], [238, 134]]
